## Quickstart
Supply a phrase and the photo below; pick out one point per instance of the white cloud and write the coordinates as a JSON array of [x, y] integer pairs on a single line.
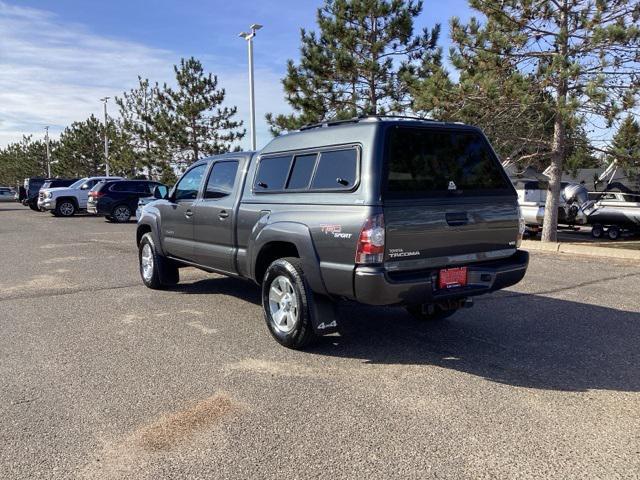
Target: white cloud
[[54, 73]]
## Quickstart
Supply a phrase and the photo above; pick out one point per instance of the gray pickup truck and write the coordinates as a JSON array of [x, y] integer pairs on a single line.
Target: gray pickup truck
[[378, 210]]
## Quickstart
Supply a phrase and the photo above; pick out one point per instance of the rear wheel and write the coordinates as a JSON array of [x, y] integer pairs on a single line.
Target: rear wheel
[[34, 207], [429, 312], [613, 233], [121, 214], [597, 231], [65, 208], [286, 301], [156, 271]]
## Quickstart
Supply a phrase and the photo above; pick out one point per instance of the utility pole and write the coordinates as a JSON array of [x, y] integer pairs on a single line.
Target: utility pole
[[46, 139], [248, 36], [106, 138]]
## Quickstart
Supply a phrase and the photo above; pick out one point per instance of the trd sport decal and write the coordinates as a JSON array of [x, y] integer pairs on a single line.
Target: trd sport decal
[[335, 231]]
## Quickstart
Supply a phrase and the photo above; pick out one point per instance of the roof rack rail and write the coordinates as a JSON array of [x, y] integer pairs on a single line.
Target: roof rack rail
[[331, 123], [404, 117]]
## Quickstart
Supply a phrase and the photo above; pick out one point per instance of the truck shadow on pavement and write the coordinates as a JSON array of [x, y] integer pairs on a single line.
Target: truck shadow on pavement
[[517, 339]]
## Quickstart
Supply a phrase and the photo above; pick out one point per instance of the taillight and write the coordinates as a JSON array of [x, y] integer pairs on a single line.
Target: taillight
[[371, 242], [96, 194]]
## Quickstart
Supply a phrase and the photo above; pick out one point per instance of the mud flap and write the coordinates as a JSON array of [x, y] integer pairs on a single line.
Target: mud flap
[[324, 316]]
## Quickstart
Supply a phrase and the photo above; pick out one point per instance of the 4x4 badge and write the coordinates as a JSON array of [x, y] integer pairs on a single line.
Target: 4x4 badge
[[452, 185]]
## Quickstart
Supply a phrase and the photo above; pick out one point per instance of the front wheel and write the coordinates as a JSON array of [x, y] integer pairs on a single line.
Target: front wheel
[[156, 271], [34, 207], [286, 298], [65, 208]]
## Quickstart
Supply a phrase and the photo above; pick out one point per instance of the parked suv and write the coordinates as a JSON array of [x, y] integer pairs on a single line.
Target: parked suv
[[53, 183], [383, 211], [66, 201], [118, 200], [31, 189]]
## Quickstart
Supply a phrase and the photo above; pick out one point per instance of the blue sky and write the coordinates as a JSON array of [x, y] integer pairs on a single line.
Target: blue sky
[[57, 58]]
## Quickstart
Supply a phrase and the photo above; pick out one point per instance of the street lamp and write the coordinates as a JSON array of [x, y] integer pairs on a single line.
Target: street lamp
[[248, 36], [106, 140], [46, 139]]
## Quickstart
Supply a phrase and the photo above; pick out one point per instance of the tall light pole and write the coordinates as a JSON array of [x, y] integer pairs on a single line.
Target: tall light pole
[[106, 139], [46, 139], [248, 36]]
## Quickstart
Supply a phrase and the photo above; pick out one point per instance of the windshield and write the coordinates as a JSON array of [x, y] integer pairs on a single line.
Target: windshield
[[79, 183], [428, 162]]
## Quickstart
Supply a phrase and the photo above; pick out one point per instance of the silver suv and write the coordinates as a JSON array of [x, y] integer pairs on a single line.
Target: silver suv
[[66, 201]]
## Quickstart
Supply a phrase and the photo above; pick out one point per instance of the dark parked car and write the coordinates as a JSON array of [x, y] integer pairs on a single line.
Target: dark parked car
[[383, 211], [34, 185], [117, 200]]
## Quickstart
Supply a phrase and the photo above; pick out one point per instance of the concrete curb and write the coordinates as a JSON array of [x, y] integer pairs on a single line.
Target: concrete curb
[[578, 249]]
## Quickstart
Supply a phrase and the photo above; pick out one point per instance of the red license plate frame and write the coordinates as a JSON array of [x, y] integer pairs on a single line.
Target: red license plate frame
[[452, 277]]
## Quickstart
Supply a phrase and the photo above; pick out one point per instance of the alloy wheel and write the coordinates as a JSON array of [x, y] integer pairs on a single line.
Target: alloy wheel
[[122, 214], [146, 262], [67, 209], [283, 304]]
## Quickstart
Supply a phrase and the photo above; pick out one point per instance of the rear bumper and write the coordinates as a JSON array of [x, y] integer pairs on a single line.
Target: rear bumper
[[375, 286]]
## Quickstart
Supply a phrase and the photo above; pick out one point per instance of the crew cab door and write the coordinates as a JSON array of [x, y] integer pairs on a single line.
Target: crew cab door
[[215, 217], [177, 214]]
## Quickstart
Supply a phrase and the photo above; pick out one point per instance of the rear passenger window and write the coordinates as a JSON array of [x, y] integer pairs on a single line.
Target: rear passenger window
[[336, 170], [301, 171], [221, 179], [141, 187], [272, 173], [121, 187]]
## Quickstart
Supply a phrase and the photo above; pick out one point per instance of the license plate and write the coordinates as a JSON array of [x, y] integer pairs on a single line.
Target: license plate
[[452, 277]]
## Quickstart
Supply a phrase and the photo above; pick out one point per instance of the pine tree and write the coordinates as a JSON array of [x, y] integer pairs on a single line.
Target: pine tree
[[510, 107], [625, 147], [26, 158], [80, 152], [584, 53], [140, 110], [193, 119], [357, 62]]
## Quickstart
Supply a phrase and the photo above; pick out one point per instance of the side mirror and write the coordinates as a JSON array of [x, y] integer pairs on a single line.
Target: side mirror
[[85, 187], [160, 192]]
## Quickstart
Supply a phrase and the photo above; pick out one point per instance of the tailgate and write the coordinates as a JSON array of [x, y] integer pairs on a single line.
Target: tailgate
[[440, 233]]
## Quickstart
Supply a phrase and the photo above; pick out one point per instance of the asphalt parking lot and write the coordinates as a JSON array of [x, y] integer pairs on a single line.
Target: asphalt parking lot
[[103, 378]]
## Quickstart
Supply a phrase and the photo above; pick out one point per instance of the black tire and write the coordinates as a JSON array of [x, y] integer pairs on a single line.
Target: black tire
[[34, 207], [301, 333], [613, 233], [597, 231], [65, 208], [164, 271], [120, 214], [430, 313]]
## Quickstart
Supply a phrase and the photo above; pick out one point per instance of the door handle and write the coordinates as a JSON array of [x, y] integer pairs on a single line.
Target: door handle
[[223, 214], [188, 214]]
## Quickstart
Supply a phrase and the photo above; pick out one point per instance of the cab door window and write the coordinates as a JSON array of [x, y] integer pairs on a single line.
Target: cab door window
[[221, 180]]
